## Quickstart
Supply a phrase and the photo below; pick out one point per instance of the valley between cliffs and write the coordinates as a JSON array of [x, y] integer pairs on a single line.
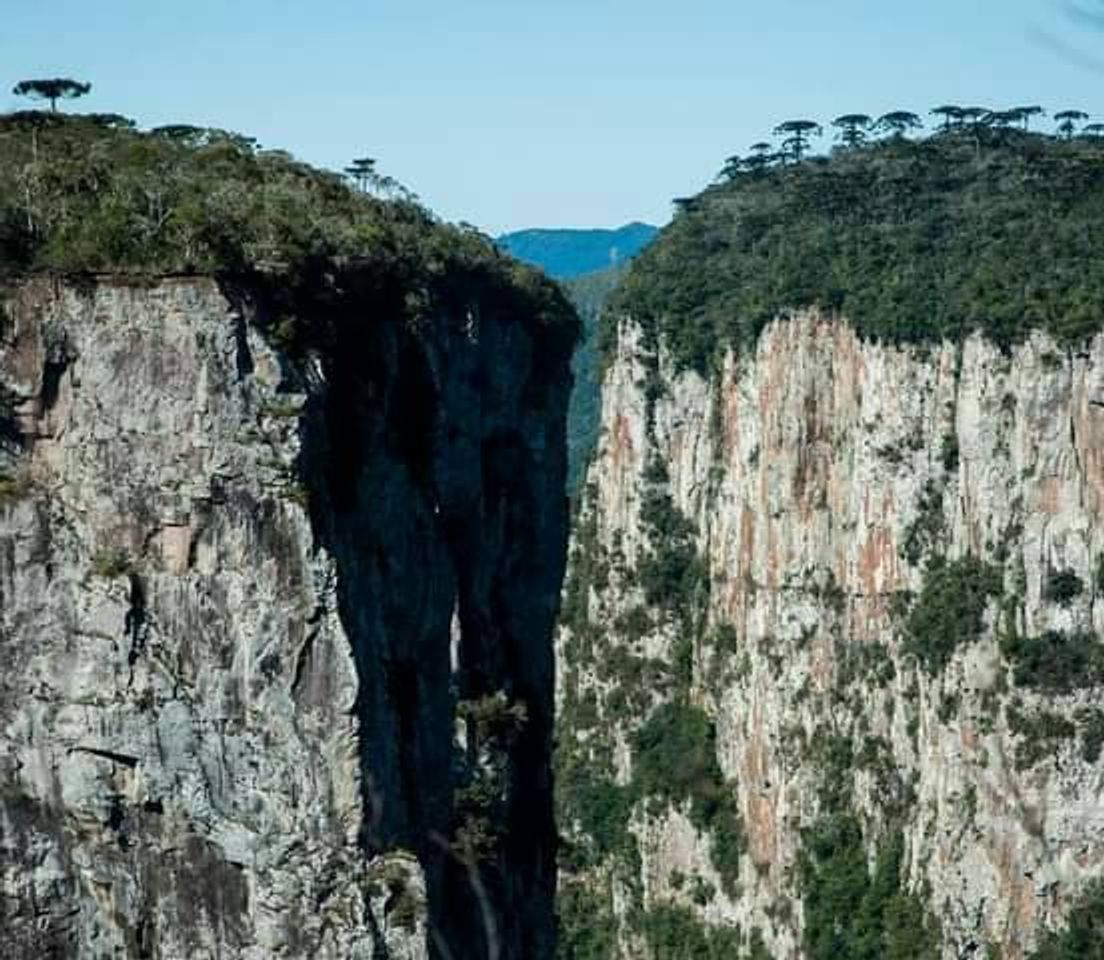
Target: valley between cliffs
[[290, 666]]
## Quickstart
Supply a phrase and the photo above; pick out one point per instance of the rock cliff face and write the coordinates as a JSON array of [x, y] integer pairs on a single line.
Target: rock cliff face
[[856, 590], [275, 632]]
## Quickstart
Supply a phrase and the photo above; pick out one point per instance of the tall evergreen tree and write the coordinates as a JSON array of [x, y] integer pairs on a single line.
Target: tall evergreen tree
[[1066, 122], [898, 122], [950, 115], [797, 134], [852, 128], [362, 172], [1026, 113], [52, 89]]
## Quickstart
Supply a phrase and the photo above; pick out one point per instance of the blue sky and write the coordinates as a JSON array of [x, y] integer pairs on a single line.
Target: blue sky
[[517, 113]]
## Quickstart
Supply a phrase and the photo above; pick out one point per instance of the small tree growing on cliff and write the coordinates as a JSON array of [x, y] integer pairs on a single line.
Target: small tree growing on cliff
[[1003, 119], [111, 121], [733, 167], [52, 89], [975, 116], [182, 133], [759, 158]]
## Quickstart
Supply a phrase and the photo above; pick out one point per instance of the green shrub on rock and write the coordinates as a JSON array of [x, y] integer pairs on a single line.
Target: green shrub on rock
[[853, 912], [1083, 936], [675, 759], [675, 933], [1062, 587], [1056, 661], [949, 613]]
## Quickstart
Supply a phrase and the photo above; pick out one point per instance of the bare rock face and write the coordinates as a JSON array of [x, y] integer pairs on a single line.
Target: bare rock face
[[242, 601], [876, 572]]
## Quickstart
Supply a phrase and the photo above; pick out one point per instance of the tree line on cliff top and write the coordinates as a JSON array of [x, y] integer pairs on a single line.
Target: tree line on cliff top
[[93, 194], [858, 129], [985, 226]]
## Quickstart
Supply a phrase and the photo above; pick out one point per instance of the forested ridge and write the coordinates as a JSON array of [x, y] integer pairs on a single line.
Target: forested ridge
[[975, 228], [88, 194]]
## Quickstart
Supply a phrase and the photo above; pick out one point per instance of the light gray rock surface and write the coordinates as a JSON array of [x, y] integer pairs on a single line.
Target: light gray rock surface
[[227, 583]]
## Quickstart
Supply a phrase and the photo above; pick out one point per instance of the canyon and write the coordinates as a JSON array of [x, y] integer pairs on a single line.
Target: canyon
[[334, 626]]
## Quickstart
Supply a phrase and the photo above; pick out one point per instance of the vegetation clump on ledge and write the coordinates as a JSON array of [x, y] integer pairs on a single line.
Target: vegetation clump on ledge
[[94, 195], [856, 909], [1083, 937], [950, 611], [973, 229]]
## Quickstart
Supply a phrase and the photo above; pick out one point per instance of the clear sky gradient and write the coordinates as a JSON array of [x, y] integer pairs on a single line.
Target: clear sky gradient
[[519, 113]]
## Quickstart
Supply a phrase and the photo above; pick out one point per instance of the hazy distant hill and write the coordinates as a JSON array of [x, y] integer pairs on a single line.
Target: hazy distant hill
[[590, 264], [589, 293], [571, 253]]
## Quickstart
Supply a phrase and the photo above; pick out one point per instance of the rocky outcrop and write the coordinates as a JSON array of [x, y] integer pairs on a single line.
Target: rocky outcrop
[[247, 604], [876, 571]]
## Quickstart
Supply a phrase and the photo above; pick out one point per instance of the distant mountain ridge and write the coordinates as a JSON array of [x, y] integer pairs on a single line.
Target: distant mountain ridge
[[589, 294], [567, 253], [589, 265]]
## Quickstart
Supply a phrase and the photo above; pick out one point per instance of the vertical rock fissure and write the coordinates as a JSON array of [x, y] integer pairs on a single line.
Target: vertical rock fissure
[[419, 525]]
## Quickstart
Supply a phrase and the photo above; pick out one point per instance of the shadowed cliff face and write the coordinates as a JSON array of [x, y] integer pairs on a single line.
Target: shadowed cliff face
[[255, 614], [435, 461]]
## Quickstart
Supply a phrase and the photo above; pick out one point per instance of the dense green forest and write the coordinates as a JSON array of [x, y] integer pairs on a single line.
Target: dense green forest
[[974, 228], [91, 194]]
